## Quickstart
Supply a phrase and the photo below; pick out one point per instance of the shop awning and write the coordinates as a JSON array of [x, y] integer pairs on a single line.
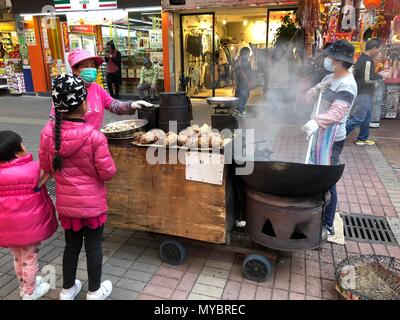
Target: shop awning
[[126, 4]]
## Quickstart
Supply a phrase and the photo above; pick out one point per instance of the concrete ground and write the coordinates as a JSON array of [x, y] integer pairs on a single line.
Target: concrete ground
[[131, 261]]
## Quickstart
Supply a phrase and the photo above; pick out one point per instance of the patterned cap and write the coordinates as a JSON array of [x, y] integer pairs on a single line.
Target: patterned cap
[[68, 92], [341, 50]]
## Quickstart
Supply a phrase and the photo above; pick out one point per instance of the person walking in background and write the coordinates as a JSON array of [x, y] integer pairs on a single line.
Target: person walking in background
[[27, 214], [77, 155], [245, 81], [364, 73], [114, 76]]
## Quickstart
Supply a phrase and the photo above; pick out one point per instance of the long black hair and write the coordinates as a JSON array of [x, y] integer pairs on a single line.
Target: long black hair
[[10, 145], [57, 160]]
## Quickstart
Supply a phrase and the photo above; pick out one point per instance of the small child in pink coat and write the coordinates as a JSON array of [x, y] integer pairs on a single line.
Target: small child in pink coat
[[27, 214], [77, 155]]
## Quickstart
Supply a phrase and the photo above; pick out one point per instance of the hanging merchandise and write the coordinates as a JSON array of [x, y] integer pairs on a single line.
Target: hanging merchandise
[[11, 72], [372, 4]]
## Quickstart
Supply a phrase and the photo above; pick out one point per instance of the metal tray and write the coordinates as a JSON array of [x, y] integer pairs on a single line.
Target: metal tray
[[127, 134]]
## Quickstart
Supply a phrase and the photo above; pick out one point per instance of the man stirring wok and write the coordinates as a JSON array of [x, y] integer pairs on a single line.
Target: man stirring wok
[[339, 90]]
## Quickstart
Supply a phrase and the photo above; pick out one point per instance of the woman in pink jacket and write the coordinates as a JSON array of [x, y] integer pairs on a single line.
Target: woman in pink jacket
[[27, 214], [77, 155], [85, 65]]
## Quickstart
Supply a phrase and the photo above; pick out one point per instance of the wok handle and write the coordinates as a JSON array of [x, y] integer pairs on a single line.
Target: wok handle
[[312, 137]]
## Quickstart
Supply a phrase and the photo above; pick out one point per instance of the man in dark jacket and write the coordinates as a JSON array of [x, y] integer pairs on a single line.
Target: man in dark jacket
[[113, 59], [364, 73]]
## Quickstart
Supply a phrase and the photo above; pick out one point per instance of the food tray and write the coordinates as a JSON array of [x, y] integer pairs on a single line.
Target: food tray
[[127, 134], [226, 142]]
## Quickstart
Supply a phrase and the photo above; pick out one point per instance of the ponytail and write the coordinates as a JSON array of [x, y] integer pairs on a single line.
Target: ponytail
[[57, 160]]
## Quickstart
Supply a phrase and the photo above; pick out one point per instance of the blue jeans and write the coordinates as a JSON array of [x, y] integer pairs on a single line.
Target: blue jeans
[[243, 95], [361, 116], [330, 210]]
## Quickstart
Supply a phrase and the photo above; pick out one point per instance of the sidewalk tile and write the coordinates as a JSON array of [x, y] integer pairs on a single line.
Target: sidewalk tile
[[206, 290], [263, 293], [231, 291], [247, 292], [158, 291], [180, 295], [163, 281], [278, 294], [188, 281]]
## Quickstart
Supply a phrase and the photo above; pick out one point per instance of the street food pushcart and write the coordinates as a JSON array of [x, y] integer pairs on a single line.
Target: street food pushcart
[[158, 198]]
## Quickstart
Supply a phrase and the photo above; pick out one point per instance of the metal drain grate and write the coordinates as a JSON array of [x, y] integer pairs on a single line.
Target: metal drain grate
[[51, 188], [365, 228]]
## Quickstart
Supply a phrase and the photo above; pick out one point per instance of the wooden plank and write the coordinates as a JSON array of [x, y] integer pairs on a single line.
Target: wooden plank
[[159, 199]]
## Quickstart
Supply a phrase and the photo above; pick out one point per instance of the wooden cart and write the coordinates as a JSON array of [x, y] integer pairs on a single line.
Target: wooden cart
[[158, 198]]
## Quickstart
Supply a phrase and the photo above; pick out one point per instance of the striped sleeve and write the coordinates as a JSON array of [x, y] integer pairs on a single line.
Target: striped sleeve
[[337, 111]]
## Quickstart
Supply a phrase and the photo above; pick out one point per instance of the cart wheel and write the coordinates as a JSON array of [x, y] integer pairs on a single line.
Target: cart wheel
[[173, 252], [256, 268]]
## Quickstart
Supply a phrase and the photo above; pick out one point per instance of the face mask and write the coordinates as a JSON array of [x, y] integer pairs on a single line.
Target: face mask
[[89, 75], [328, 65]]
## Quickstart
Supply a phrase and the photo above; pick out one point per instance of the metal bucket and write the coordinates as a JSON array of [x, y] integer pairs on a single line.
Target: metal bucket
[[286, 223], [175, 106]]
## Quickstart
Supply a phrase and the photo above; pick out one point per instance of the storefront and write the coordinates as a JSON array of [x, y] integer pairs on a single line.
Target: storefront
[[11, 71], [135, 34], [206, 43], [89, 25]]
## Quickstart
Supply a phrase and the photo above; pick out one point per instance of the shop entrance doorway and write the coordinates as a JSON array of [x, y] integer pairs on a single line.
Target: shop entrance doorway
[[210, 46]]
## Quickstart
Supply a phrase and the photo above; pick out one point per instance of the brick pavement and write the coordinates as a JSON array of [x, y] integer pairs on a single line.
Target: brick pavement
[[131, 260]]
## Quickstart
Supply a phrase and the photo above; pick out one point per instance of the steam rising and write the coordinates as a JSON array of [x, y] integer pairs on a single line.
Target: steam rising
[[277, 121]]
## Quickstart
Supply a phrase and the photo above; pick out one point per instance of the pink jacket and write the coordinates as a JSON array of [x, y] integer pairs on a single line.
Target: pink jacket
[[99, 100], [87, 164], [26, 217]]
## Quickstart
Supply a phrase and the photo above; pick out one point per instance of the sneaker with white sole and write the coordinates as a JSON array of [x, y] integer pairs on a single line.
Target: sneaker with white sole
[[71, 293], [39, 280], [367, 142], [39, 292], [103, 292]]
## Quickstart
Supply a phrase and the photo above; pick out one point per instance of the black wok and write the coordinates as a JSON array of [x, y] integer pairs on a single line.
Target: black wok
[[288, 179]]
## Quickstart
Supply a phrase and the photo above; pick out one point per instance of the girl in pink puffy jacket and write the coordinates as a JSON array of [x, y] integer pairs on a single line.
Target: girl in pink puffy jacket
[[26, 213], [77, 155]]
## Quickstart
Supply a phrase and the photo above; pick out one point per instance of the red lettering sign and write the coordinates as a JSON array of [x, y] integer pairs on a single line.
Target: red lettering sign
[[86, 29]]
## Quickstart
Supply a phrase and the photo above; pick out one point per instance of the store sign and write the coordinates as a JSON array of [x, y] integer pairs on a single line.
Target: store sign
[[103, 17], [76, 5], [65, 34], [83, 29], [192, 4]]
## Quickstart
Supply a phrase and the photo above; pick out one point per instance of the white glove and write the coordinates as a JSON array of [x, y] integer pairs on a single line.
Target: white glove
[[322, 86], [310, 128], [139, 104]]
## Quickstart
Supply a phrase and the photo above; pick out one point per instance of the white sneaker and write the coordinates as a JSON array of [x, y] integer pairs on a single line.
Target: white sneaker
[[39, 292], [103, 292], [71, 293], [39, 280]]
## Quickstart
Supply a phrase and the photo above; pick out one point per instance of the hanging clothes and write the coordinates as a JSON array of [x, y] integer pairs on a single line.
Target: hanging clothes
[[194, 44]]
